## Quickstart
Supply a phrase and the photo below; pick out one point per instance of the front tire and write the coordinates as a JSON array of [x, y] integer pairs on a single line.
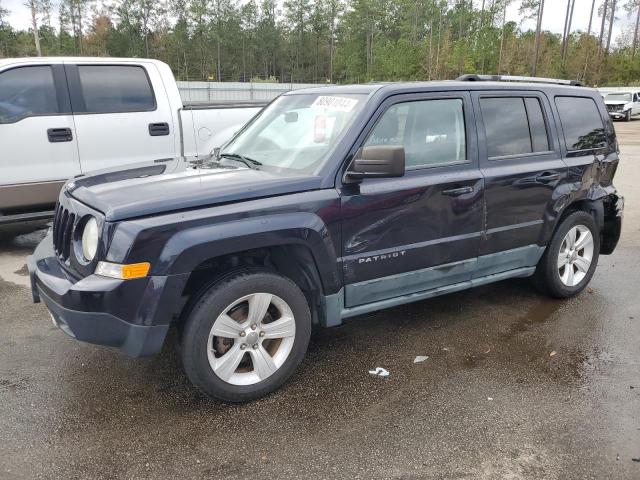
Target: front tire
[[627, 116], [245, 336], [571, 258]]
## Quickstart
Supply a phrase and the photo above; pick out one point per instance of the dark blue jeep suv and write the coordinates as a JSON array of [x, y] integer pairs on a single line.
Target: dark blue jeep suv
[[331, 203]]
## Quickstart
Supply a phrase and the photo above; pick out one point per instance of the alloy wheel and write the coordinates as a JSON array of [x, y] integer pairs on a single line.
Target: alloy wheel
[[575, 256], [251, 339]]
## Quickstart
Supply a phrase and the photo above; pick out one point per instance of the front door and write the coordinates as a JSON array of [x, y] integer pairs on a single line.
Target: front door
[[37, 135], [522, 166], [421, 231]]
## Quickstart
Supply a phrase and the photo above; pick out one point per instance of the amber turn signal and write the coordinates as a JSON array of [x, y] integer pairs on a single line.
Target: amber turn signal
[[123, 272]]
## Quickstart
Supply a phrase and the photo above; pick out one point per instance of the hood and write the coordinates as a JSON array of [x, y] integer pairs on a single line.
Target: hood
[[176, 184]]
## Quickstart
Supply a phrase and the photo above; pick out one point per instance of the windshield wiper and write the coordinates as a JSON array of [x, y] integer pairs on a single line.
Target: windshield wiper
[[249, 162]]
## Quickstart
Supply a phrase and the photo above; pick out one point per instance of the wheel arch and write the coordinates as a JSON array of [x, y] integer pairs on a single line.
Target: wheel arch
[[293, 261]]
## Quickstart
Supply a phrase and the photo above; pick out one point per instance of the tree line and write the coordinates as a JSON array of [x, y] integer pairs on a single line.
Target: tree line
[[337, 41]]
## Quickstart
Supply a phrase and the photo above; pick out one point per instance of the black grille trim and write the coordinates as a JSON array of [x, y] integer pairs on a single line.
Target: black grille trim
[[63, 223]]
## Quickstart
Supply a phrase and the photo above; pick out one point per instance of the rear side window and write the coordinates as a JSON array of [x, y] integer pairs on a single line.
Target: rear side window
[[27, 91], [581, 123], [513, 126], [115, 89]]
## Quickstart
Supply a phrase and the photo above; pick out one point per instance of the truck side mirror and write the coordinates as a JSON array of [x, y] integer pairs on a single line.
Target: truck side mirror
[[379, 161]]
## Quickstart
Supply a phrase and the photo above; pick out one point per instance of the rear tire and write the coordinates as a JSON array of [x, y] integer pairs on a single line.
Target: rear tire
[[245, 336], [571, 258]]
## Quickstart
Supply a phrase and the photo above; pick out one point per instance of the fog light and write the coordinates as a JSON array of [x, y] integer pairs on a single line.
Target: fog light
[[123, 272]]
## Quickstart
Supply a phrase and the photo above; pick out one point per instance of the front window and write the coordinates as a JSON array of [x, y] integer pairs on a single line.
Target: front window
[[432, 132], [296, 132], [619, 97], [27, 91]]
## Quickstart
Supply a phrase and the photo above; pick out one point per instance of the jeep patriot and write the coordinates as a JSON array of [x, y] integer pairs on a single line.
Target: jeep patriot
[[333, 202]]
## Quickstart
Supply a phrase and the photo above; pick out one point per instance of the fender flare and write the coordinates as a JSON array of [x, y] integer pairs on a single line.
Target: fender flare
[[188, 248]]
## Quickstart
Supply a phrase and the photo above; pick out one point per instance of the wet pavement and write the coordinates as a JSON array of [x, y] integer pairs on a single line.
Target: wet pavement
[[516, 386]]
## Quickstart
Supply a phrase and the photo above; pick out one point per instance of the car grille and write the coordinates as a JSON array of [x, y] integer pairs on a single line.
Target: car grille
[[63, 223], [614, 108]]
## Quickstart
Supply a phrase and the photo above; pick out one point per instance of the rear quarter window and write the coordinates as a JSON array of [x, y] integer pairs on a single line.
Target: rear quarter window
[[581, 123]]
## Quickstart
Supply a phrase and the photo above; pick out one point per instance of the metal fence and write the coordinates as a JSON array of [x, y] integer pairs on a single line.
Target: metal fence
[[246, 91], [605, 90], [235, 91]]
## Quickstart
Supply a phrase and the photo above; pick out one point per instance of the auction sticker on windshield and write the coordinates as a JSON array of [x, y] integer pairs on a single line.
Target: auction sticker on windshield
[[341, 104]]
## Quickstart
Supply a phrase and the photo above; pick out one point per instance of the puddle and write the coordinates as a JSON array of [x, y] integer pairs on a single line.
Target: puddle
[[16, 243], [24, 271], [537, 315]]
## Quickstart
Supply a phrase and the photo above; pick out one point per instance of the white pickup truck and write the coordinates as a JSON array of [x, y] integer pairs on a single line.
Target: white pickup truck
[[61, 117]]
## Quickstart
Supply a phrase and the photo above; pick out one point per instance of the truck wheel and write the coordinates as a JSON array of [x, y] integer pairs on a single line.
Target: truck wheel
[[627, 116], [246, 335], [571, 257]]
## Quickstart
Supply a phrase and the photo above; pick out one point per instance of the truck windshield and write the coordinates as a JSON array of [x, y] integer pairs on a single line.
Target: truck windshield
[[297, 131], [621, 97]]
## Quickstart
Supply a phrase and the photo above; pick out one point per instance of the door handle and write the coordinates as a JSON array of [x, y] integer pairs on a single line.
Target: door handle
[[159, 129], [456, 192], [547, 176], [56, 135]]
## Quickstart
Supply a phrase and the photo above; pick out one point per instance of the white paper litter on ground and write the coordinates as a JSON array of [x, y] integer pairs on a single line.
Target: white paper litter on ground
[[420, 358], [379, 372]]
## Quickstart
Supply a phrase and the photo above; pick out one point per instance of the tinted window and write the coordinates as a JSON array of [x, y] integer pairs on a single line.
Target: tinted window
[[27, 91], [506, 126], [537, 126], [111, 89], [431, 131], [581, 123]]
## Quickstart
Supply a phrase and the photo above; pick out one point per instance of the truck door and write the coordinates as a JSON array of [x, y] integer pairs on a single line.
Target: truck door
[[422, 231], [37, 135], [523, 167], [122, 114]]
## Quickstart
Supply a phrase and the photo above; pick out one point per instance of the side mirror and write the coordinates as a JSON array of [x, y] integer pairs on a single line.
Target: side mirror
[[380, 161]]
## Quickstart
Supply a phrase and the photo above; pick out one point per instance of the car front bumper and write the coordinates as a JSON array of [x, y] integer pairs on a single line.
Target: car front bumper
[[618, 114], [116, 313]]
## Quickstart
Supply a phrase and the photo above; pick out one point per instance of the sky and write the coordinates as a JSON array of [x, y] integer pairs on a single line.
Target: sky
[[553, 18]]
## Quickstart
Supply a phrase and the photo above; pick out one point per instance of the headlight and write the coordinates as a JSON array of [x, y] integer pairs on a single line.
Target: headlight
[[90, 238]]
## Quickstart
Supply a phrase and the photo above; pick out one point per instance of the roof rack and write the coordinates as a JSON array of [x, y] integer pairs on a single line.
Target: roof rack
[[514, 78]]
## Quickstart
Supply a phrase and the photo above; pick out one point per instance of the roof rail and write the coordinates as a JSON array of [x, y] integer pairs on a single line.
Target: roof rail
[[514, 78]]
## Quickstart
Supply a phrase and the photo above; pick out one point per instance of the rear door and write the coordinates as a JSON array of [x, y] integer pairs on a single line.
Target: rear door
[[522, 165], [37, 135], [122, 114], [422, 231]]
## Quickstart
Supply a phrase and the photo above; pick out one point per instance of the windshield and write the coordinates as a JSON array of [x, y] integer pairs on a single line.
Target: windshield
[[621, 97], [296, 132]]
